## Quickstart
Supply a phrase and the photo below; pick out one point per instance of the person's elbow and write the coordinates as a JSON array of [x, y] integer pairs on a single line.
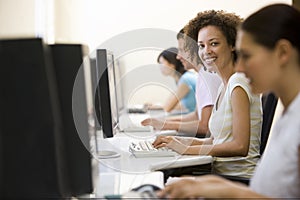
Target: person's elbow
[[242, 150], [203, 128], [168, 108]]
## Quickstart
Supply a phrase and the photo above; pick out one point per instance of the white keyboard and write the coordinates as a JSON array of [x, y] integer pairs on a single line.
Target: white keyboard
[[145, 148], [138, 129], [137, 109]]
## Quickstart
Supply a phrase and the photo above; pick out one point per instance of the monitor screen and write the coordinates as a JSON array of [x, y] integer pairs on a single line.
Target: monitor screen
[[94, 90], [112, 84], [119, 85]]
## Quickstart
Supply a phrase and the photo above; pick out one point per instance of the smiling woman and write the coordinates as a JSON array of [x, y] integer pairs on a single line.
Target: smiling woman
[[235, 122]]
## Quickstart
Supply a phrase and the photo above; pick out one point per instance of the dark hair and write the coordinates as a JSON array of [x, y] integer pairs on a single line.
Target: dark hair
[[192, 52], [170, 55], [272, 23], [226, 22], [180, 34]]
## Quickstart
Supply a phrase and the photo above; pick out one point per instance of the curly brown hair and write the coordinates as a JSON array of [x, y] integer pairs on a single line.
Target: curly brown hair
[[226, 22]]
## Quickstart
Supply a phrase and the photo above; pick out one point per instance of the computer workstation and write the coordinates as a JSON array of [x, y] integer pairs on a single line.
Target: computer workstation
[[131, 158], [126, 163], [167, 164], [42, 153], [46, 144], [107, 143]]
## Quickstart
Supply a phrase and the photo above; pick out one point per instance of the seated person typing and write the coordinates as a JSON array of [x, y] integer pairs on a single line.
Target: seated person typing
[[184, 97], [236, 119]]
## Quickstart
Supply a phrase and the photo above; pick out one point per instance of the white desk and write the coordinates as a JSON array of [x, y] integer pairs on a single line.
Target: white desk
[[116, 183], [120, 174], [130, 164]]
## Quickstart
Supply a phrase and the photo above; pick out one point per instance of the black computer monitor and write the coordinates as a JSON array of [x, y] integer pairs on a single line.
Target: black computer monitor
[[105, 95], [38, 160], [105, 108], [68, 65], [1, 168]]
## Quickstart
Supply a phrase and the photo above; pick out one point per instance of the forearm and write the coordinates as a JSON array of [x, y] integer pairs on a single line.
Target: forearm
[[193, 128], [189, 117], [242, 192], [190, 141], [168, 107], [224, 189], [174, 99], [198, 150], [184, 118], [189, 128], [198, 146], [229, 149], [205, 147], [208, 186]]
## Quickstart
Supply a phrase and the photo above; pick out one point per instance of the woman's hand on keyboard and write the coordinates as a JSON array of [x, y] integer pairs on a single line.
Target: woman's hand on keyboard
[[170, 142]]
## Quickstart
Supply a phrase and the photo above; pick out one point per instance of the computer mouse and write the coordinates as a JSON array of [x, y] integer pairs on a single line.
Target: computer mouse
[[146, 187]]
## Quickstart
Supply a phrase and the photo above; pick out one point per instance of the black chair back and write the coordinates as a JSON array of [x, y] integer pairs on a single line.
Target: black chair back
[[269, 102]]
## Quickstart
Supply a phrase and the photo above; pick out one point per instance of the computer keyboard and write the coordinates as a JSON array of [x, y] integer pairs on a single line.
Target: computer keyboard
[[138, 129], [137, 109], [145, 148]]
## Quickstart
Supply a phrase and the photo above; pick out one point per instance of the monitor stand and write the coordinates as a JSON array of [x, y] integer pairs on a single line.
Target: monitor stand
[[108, 151]]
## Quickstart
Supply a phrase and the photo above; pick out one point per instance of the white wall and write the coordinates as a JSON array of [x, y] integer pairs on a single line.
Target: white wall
[[17, 18], [95, 21], [103, 22]]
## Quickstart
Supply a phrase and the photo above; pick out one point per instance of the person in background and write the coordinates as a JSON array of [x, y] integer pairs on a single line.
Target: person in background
[[269, 55], [236, 119], [194, 123], [184, 96]]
